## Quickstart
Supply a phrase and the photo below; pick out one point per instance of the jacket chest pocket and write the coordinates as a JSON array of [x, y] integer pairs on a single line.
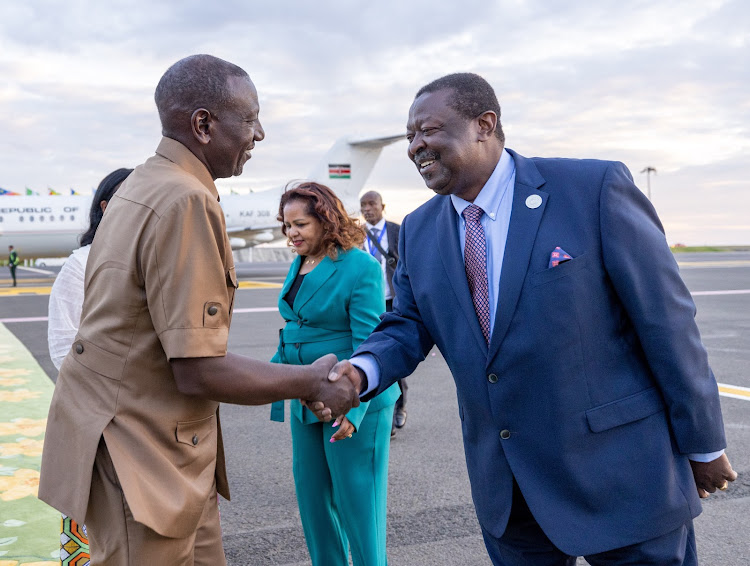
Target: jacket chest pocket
[[565, 269]]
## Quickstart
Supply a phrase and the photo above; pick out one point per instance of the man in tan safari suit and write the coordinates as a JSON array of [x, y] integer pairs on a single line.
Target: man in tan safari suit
[[133, 445]]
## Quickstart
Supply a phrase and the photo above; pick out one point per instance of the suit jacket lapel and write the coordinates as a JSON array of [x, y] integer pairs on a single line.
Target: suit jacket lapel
[[313, 281], [524, 224], [284, 309], [449, 248]]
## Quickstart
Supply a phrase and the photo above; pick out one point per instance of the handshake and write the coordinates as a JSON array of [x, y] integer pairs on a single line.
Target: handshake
[[336, 387]]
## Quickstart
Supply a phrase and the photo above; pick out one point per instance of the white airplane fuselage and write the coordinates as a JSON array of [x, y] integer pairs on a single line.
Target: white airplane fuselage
[[43, 226], [50, 226]]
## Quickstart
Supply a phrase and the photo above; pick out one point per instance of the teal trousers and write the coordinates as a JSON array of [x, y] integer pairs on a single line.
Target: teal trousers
[[342, 489]]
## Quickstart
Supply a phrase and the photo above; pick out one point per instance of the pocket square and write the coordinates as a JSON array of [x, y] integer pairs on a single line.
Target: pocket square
[[558, 256]]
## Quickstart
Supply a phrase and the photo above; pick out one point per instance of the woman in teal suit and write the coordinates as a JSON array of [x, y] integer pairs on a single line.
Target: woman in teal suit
[[332, 300]]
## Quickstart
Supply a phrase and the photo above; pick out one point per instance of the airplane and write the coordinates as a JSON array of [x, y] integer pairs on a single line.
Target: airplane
[[50, 226]]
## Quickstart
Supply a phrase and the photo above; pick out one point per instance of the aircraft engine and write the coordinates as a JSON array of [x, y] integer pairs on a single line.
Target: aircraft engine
[[263, 237], [238, 243]]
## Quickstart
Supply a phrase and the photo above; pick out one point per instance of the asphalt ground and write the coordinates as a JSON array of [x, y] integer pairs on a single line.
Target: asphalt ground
[[431, 519]]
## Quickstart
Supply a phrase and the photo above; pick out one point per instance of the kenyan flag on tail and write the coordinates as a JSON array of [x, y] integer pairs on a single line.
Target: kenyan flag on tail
[[339, 171]]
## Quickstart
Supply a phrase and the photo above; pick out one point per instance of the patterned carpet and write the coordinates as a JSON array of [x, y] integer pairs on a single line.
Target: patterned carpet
[[29, 529]]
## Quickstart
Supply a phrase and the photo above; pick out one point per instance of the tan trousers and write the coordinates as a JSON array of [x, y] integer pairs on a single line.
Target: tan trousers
[[116, 539]]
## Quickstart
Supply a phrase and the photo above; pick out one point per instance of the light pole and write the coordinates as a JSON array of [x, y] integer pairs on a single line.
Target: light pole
[[648, 170]]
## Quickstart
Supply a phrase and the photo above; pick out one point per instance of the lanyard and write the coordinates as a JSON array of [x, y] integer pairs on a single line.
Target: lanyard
[[370, 245]]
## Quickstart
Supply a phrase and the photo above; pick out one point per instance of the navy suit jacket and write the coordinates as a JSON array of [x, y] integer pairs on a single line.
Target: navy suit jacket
[[595, 385]]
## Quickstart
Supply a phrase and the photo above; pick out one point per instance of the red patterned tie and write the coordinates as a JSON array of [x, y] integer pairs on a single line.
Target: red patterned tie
[[475, 260]]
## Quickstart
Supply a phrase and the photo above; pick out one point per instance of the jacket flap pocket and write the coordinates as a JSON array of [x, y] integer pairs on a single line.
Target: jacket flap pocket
[[193, 433], [627, 410], [96, 359]]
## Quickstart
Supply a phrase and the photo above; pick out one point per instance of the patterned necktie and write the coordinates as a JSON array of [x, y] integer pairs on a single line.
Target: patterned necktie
[[374, 250], [475, 260]]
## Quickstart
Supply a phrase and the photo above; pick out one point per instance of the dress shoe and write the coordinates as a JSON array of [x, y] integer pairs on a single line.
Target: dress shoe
[[399, 417]]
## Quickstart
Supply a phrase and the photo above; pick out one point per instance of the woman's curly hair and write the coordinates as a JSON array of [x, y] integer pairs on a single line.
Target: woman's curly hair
[[340, 230]]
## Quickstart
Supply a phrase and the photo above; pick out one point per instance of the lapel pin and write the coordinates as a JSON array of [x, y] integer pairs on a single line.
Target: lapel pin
[[534, 201]]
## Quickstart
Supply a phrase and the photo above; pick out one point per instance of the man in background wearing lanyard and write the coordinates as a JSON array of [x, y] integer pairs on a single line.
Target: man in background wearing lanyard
[[384, 234]]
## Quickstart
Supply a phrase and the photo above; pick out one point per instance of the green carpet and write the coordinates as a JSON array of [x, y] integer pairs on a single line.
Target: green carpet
[[29, 529]]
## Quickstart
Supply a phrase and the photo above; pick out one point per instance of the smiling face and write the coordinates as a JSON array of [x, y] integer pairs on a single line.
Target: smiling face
[[304, 230], [445, 146], [234, 130]]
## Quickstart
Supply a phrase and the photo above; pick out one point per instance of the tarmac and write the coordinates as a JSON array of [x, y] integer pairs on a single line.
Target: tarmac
[[431, 518]]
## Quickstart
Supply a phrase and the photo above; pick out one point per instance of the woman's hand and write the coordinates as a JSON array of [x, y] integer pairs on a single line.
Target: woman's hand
[[346, 429]]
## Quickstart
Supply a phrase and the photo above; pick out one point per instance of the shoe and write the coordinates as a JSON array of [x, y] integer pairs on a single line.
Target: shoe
[[393, 432], [399, 417]]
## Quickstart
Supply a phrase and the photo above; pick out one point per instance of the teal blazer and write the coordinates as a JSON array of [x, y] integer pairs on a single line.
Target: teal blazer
[[338, 305]]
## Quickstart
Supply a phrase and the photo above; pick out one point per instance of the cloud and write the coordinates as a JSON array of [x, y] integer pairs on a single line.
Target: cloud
[[661, 84]]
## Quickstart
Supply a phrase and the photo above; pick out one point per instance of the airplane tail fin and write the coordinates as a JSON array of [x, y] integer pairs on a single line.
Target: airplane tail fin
[[347, 165]]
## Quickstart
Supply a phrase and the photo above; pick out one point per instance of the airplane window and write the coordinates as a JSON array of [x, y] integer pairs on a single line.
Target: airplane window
[[41, 218], [1, 218], [62, 217], [72, 217], [51, 217], [20, 218], [31, 218]]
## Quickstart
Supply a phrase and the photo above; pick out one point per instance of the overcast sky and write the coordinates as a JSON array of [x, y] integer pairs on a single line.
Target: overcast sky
[[660, 83]]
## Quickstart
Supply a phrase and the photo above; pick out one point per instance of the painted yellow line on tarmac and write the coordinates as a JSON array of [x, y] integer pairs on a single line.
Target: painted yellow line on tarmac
[[35, 290], [22, 280], [259, 285], [734, 391], [16, 291]]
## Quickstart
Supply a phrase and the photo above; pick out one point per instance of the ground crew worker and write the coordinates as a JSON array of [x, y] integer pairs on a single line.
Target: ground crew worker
[[12, 263]]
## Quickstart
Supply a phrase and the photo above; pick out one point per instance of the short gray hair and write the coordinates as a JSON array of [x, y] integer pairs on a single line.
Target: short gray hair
[[197, 81]]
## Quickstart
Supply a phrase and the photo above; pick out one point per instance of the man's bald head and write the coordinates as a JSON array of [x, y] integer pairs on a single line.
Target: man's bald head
[[198, 81]]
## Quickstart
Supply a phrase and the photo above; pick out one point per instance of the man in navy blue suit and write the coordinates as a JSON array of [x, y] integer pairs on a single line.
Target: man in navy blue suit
[[590, 417]]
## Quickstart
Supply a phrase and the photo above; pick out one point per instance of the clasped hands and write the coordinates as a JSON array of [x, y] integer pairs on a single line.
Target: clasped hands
[[335, 396]]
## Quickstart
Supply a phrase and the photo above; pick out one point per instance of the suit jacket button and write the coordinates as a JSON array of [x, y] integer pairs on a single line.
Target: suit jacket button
[[212, 310], [79, 348], [492, 378], [195, 440], [505, 434]]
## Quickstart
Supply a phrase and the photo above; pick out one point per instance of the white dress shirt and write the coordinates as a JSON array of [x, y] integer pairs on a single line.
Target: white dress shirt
[[370, 248], [65, 303]]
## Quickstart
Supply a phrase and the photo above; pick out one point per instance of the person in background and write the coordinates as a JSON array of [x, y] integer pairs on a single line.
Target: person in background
[[382, 243], [331, 300], [12, 263]]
